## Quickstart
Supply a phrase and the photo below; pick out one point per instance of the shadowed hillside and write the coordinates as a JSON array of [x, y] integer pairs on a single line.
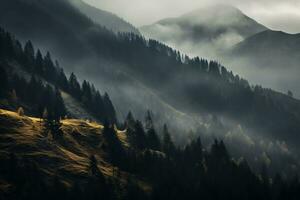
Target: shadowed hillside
[[104, 18], [78, 160], [66, 156]]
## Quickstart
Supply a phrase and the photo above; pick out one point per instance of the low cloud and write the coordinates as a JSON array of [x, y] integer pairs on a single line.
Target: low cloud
[[142, 12]]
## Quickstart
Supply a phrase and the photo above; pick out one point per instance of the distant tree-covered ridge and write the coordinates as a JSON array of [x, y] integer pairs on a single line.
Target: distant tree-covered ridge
[[192, 85], [39, 95]]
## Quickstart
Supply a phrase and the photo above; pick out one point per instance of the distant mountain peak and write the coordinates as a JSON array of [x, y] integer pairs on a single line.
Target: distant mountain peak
[[205, 31], [224, 8]]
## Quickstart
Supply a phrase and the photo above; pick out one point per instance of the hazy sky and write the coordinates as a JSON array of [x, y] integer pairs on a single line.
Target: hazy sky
[[276, 14]]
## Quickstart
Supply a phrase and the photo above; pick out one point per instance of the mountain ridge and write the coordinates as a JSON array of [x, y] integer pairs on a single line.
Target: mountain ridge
[[104, 18], [202, 87], [204, 31]]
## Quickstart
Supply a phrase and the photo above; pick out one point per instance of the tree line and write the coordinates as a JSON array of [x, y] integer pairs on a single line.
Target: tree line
[[190, 172], [43, 67]]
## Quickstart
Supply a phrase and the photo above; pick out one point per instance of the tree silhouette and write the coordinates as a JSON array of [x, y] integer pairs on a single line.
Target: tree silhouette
[[167, 144]]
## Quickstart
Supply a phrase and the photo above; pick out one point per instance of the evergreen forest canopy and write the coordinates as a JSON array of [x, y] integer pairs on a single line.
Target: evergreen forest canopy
[[191, 172], [173, 172], [148, 163], [39, 95], [202, 87]]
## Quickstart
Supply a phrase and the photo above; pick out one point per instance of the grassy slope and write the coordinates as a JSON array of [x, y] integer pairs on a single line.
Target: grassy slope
[[67, 158]]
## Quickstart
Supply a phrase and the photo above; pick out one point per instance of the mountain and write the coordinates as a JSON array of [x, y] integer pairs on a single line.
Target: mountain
[[104, 18], [37, 160], [233, 140], [275, 54], [204, 30], [85, 160], [140, 75], [271, 48], [81, 46], [37, 84], [263, 56]]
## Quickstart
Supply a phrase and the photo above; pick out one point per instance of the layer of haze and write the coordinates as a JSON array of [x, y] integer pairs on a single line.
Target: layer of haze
[[275, 14]]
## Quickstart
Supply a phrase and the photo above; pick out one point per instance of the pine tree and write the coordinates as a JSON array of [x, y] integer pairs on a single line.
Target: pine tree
[[219, 151], [129, 121], [62, 80], [59, 107], [152, 138], [137, 137], [168, 145], [116, 150], [98, 106], [39, 63], [74, 86], [110, 112], [29, 55], [86, 96], [148, 121], [50, 73]]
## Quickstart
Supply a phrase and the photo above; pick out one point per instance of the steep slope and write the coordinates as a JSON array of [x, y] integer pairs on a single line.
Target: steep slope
[[51, 25], [74, 107], [271, 48], [104, 18], [81, 47], [275, 54], [139, 67], [33, 81], [75, 163], [207, 29], [67, 157]]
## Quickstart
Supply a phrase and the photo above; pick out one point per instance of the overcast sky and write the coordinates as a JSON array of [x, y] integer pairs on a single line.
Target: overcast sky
[[275, 14]]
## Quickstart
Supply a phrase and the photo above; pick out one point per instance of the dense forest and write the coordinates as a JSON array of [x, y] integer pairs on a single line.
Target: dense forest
[[144, 159], [192, 172], [43, 90], [202, 87]]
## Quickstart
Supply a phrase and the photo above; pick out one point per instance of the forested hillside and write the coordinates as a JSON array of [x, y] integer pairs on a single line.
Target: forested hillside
[[122, 117], [89, 161], [275, 53], [202, 87], [41, 92]]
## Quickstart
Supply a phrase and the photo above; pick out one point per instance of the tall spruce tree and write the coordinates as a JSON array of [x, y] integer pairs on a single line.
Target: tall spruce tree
[[167, 144], [39, 63], [29, 56], [110, 112], [152, 137]]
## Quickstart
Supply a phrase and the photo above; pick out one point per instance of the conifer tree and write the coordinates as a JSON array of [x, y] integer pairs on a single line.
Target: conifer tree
[[39, 63], [152, 138], [74, 86], [168, 145], [109, 109], [116, 149], [138, 136], [29, 55], [129, 121]]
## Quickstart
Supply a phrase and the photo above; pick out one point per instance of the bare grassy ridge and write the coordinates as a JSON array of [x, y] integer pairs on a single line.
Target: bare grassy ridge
[[67, 157]]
